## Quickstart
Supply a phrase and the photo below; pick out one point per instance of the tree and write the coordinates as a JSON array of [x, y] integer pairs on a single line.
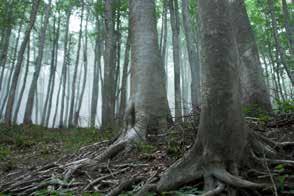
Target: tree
[[12, 90], [74, 86], [175, 24], [147, 110], [108, 89], [192, 55], [221, 117], [38, 65], [97, 70], [254, 91]]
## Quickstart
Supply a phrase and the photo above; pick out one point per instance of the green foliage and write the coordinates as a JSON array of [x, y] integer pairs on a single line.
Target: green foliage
[[285, 106], [4, 152], [145, 148], [256, 111]]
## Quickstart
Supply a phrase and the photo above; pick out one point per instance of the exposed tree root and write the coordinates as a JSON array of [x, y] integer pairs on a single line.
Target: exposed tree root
[[220, 188]]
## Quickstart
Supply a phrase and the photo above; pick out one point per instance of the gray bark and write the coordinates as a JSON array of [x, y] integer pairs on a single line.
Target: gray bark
[[108, 90], [17, 107], [288, 27], [38, 66], [123, 95], [12, 91], [64, 67], [74, 86], [221, 115], [85, 59], [254, 91], [281, 55], [192, 55], [174, 15], [97, 70]]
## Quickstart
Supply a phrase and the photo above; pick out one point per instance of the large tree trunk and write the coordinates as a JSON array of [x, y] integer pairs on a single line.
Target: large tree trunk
[[148, 110], [221, 115], [192, 55], [96, 75], [174, 15], [108, 90], [254, 91], [38, 66], [12, 91], [74, 86]]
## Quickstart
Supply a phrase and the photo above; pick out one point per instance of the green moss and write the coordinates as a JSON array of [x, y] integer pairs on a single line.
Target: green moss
[[145, 147]]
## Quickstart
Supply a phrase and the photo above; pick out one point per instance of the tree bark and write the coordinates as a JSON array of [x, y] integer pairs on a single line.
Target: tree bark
[[254, 91], [80, 100], [17, 107], [97, 70], [123, 92], [174, 15], [12, 91], [192, 55], [221, 115], [74, 86], [64, 67], [288, 27], [108, 90], [281, 59], [38, 66]]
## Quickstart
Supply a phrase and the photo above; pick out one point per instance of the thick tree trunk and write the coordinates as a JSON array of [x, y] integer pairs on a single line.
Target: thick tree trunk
[[174, 15], [74, 86], [97, 70], [80, 100], [221, 115], [254, 91], [148, 108], [17, 107], [64, 67], [38, 66], [12, 91], [108, 90]]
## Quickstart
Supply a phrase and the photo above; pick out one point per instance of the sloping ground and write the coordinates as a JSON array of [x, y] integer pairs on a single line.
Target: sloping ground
[[75, 171]]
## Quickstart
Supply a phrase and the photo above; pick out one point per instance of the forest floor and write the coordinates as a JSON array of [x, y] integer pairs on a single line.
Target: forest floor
[[40, 161]]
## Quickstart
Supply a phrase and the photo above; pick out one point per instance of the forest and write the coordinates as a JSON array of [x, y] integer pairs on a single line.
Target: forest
[[147, 97]]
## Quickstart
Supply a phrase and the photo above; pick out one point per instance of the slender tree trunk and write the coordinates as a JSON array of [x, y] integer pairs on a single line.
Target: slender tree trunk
[[57, 104], [288, 27], [80, 100], [74, 86], [279, 48], [64, 67], [123, 93], [48, 113], [173, 7], [163, 48], [108, 90], [49, 86], [17, 107], [11, 98], [97, 69], [4, 53], [254, 91], [38, 66], [192, 55]]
